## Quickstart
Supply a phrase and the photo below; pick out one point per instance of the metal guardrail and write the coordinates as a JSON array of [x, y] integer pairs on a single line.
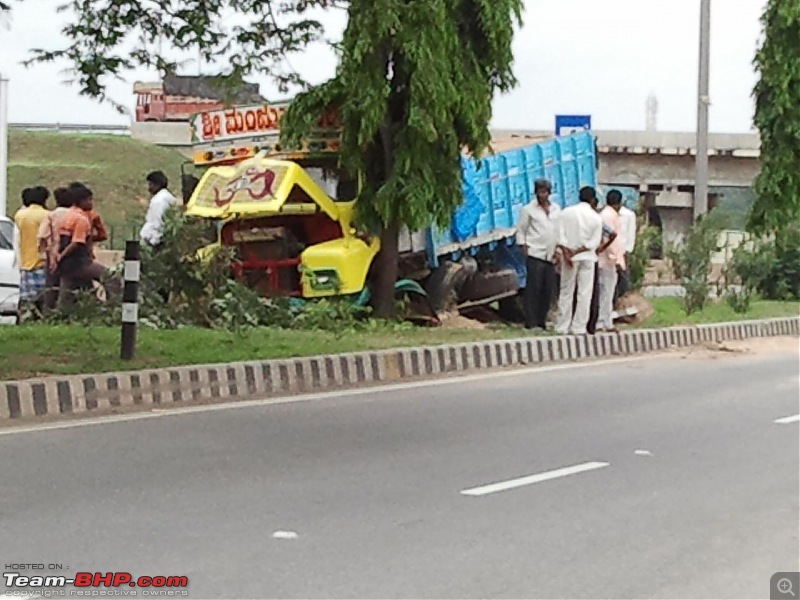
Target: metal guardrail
[[73, 128]]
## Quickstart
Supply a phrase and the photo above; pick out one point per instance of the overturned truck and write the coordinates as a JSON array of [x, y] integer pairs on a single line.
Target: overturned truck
[[290, 215]]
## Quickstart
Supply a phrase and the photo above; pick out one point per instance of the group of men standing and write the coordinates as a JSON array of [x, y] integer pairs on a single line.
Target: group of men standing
[[579, 251], [57, 247]]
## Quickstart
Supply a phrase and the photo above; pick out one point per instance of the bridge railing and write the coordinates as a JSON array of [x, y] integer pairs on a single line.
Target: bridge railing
[[73, 128]]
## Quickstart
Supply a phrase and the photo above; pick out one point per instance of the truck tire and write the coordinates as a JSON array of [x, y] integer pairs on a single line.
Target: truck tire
[[442, 285], [489, 283]]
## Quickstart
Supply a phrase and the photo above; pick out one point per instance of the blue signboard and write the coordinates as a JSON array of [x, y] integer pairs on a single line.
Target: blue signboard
[[567, 124]]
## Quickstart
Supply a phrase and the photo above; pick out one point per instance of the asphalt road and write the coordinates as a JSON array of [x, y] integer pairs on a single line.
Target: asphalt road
[[372, 486]]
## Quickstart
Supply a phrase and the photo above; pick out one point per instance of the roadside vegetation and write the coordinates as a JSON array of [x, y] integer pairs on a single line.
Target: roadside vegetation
[[42, 349]]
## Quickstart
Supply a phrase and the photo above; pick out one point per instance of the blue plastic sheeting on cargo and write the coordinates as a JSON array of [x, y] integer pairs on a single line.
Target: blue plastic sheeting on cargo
[[467, 216], [504, 183]]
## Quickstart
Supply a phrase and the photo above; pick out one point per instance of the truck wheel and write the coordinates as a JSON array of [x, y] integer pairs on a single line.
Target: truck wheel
[[443, 284], [487, 284]]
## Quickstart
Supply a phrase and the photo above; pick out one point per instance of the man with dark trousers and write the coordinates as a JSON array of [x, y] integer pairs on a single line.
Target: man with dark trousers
[[537, 235]]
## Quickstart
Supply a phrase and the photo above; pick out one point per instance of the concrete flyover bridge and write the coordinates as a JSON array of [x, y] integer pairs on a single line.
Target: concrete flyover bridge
[[658, 161]]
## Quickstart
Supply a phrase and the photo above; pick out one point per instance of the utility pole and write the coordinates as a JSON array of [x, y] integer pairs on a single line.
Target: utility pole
[[3, 145], [703, 101]]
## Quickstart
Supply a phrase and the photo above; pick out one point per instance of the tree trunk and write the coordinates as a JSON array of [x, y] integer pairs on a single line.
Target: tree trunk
[[385, 273]]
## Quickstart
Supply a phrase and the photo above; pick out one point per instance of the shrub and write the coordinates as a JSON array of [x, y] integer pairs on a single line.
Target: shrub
[[179, 287], [769, 267], [647, 240], [739, 300], [743, 271], [691, 261]]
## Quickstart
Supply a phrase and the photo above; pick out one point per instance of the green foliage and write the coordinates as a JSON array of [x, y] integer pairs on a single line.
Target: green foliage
[[742, 271], [414, 86], [647, 239], [786, 278], [769, 267], [777, 117], [735, 205], [691, 261], [739, 300], [179, 289]]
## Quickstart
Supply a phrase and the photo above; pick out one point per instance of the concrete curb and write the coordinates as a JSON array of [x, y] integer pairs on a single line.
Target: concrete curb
[[77, 394]]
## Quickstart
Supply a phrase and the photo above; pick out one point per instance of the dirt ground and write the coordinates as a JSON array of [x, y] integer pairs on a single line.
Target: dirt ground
[[752, 347], [457, 321], [635, 299]]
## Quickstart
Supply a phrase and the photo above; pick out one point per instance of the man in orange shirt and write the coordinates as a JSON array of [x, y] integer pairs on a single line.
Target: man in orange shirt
[[31, 261], [99, 231], [75, 264]]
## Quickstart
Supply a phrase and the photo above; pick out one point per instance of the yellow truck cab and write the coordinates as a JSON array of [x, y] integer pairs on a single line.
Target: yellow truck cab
[[289, 217]]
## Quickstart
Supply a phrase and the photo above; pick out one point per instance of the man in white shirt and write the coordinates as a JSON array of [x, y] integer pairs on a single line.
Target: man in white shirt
[[627, 219], [580, 234], [162, 200], [610, 260], [537, 235]]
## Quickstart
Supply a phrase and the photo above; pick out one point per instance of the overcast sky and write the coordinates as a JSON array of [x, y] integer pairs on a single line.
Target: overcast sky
[[598, 57]]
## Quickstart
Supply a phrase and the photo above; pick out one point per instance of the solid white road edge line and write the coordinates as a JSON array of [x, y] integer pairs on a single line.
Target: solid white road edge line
[[377, 389], [784, 420], [502, 486]]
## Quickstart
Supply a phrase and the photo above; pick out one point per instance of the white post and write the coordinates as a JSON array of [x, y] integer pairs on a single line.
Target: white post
[[701, 177], [3, 145]]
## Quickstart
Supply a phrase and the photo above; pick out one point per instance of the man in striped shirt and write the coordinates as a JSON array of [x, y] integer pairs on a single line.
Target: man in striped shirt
[[610, 260], [49, 240]]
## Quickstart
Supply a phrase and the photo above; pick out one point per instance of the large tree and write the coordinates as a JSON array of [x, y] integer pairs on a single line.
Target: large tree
[[777, 117], [415, 84]]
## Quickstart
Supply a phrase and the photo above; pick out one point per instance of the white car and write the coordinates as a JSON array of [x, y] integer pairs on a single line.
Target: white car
[[9, 271]]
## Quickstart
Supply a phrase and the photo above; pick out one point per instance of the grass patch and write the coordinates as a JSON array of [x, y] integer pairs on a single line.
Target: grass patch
[[114, 166], [669, 312], [37, 350]]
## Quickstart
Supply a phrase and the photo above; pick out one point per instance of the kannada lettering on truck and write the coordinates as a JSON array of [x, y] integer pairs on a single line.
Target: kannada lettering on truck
[[234, 123], [238, 133]]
